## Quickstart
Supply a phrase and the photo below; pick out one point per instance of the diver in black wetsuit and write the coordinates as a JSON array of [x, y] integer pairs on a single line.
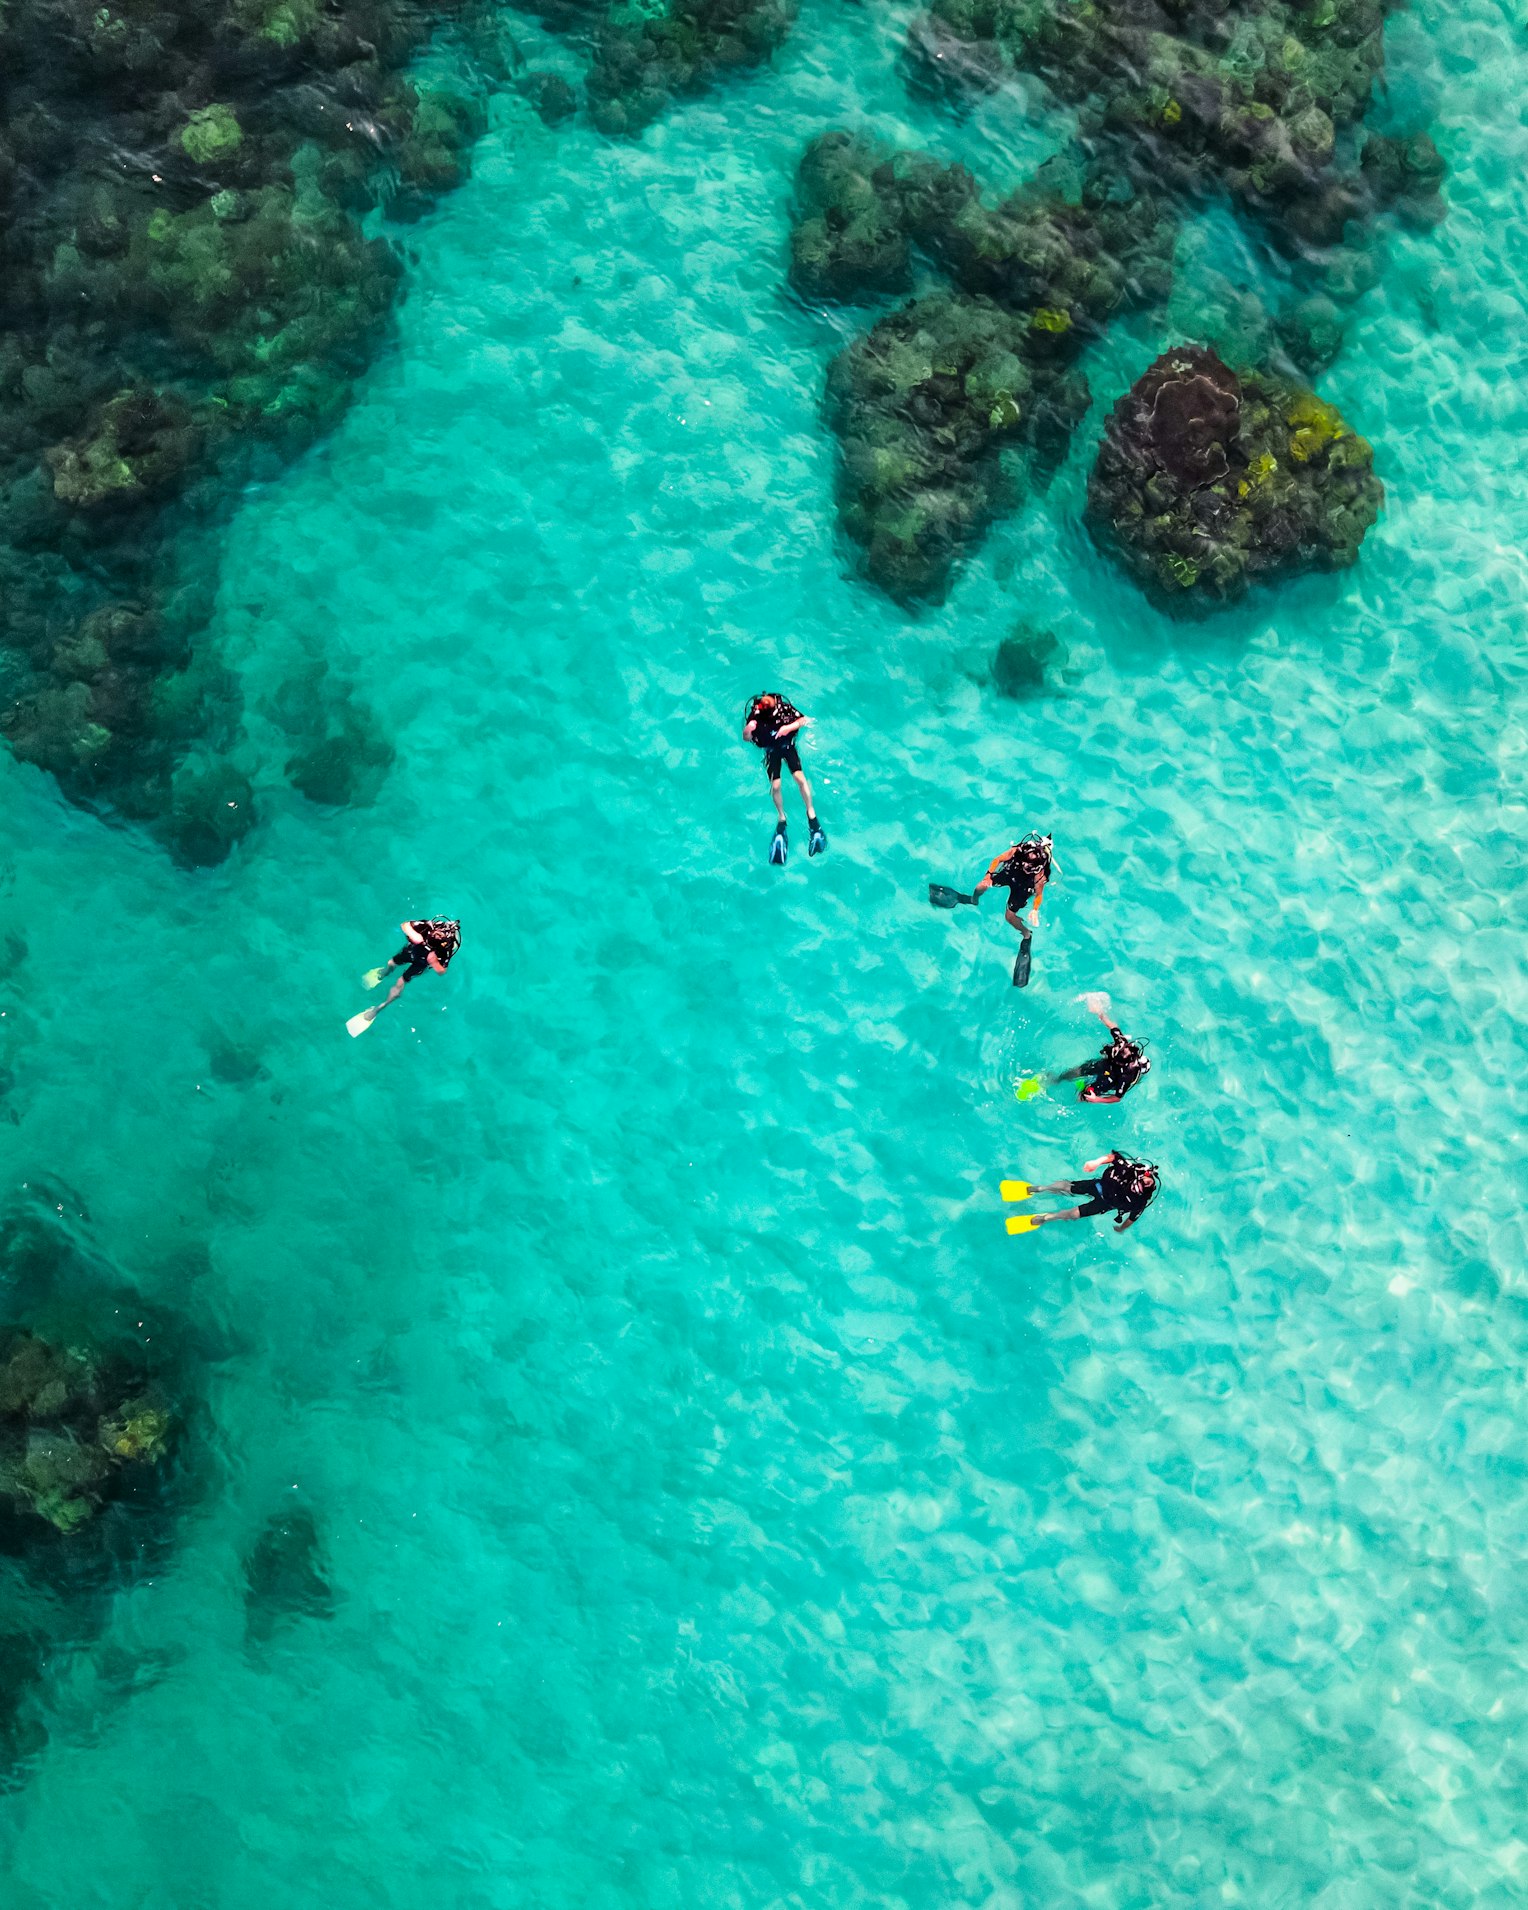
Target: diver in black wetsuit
[[1126, 1188], [430, 944], [772, 725], [1116, 1069]]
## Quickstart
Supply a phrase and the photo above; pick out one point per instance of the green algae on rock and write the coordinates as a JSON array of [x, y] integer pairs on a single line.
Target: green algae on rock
[[1207, 480], [172, 324], [71, 1420], [1248, 95], [647, 53], [922, 405], [1075, 245]]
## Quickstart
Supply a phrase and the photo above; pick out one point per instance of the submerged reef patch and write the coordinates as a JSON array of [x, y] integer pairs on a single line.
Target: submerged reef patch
[[647, 53], [1251, 96], [1207, 480], [186, 296], [924, 403], [96, 1396]]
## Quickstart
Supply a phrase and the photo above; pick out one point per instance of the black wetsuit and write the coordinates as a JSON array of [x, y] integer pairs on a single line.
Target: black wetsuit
[[1117, 1190], [766, 724], [1019, 870], [1118, 1067], [437, 937]]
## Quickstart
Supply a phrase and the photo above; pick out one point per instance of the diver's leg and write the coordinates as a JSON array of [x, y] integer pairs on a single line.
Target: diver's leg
[[806, 793], [774, 790], [1064, 1213]]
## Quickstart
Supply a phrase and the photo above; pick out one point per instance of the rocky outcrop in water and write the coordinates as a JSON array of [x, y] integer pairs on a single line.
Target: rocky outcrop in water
[[924, 404], [73, 1423], [1248, 96], [1208, 480], [186, 296], [647, 53]]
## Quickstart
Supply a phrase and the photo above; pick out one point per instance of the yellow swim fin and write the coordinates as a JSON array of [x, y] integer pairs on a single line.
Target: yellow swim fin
[[1015, 1189], [1022, 1223]]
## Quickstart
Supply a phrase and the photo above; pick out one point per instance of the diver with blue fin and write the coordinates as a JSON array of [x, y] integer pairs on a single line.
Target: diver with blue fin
[[1125, 1188], [1023, 870], [772, 725], [430, 944]]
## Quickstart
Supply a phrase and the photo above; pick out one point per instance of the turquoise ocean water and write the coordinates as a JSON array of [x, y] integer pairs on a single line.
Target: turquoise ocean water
[[722, 1510]]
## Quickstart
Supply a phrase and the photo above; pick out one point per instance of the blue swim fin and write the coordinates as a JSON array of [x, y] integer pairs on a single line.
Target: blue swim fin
[[779, 848], [818, 842]]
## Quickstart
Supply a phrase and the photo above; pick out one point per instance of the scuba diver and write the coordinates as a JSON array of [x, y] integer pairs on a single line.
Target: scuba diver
[[430, 944], [771, 724], [1126, 1188], [1119, 1064], [1023, 870]]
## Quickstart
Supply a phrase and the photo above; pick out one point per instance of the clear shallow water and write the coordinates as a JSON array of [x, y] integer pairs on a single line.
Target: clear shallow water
[[723, 1511]]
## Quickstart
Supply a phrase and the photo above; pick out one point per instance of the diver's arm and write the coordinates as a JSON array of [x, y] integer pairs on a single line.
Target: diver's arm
[[1124, 1221], [1092, 1167], [1034, 911], [789, 729]]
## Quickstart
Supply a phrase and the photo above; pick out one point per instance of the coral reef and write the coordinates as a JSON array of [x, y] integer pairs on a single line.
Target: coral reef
[[94, 1393], [922, 405], [647, 52], [186, 296], [1207, 480], [1248, 95], [71, 1423], [1074, 246], [925, 402]]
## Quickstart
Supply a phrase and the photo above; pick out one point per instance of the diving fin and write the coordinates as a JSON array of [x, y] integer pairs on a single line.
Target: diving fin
[[1021, 962], [943, 898], [1027, 1090], [373, 977], [818, 841], [1015, 1189], [1022, 1223], [358, 1024], [778, 848]]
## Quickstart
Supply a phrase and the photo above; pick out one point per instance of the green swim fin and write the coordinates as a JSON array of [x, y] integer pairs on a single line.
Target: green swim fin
[[1015, 1189], [1022, 1223], [373, 977], [1026, 1090], [358, 1024]]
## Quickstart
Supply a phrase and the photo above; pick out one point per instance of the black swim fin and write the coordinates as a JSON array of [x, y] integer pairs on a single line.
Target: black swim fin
[[1021, 963], [779, 848], [943, 898]]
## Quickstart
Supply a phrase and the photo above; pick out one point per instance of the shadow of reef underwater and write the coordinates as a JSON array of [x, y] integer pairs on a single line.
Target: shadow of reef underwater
[[98, 1405]]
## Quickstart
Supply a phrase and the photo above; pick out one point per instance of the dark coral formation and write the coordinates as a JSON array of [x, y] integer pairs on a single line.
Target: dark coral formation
[[93, 1424], [647, 53], [1207, 481], [926, 401], [186, 296], [73, 1425], [922, 405], [1080, 257], [1249, 95]]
